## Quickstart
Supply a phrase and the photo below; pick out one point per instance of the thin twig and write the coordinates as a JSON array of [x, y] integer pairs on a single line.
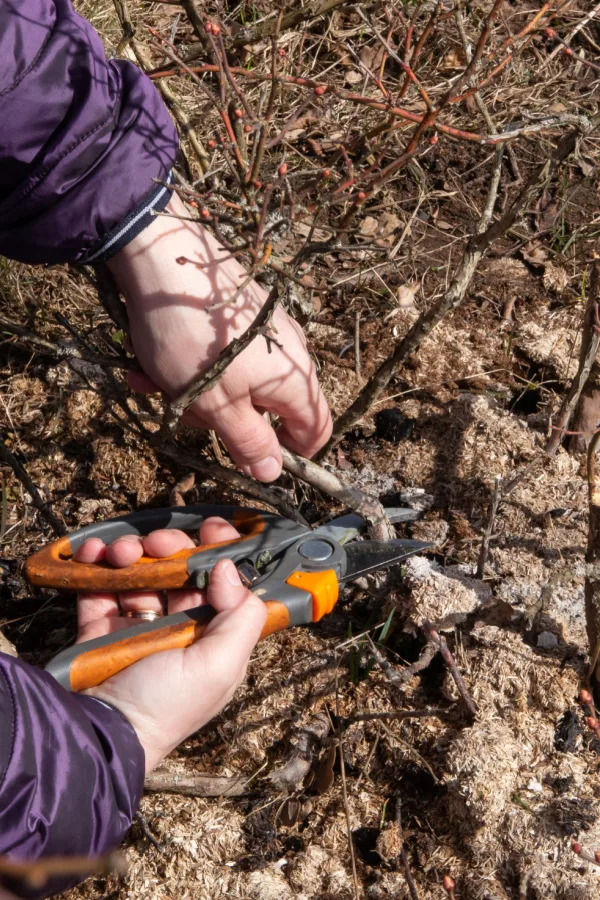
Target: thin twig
[[196, 785], [589, 350], [368, 507], [440, 640], [345, 793], [209, 378], [394, 714], [11, 460], [357, 367], [426, 322], [412, 889], [489, 527]]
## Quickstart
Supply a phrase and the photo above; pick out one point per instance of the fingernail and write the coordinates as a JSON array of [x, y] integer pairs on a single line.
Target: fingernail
[[266, 469], [231, 573]]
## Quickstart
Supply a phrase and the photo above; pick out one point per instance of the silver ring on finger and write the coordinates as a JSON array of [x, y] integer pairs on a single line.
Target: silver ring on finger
[[147, 615]]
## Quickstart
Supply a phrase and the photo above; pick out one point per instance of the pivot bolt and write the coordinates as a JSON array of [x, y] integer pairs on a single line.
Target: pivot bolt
[[315, 550]]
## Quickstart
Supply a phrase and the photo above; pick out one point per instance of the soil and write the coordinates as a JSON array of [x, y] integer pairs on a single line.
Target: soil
[[496, 801]]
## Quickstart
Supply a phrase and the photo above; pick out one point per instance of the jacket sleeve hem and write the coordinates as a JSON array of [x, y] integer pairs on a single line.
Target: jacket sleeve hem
[[137, 220]]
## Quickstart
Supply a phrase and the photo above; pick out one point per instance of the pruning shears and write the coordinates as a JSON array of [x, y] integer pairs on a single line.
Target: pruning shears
[[296, 570]]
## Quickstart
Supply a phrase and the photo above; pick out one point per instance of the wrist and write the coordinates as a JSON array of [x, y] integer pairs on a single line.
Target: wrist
[[146, 732]]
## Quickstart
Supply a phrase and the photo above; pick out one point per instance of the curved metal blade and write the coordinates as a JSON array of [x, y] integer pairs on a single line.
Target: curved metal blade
[[346, 528], [370, 556]]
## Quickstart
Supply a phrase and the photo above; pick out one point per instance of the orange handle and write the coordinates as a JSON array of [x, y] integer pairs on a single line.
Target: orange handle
[[92, 667], [53, 566]]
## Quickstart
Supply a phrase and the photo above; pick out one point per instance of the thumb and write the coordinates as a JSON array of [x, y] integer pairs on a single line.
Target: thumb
[[250, 440], [231, 636], [225, 589]]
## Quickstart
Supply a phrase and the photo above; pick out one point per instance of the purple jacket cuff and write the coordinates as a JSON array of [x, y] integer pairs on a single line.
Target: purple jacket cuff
[[83, 140], [71, 770]]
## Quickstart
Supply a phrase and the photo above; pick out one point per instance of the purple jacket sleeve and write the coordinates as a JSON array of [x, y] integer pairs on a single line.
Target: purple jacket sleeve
[[81, 141], [71, 770]]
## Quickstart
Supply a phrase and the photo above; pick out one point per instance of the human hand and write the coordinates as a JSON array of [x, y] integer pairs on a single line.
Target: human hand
[[170, 695], [176, 334]]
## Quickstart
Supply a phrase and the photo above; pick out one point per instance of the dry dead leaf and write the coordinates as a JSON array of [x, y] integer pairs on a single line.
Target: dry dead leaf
[[7, 647], [369, 226], [324, 776], [389, 222], [555, 278], [353, 76], [406, 295], [319, 234], [586, 166], [372, 57], [454, 59], [443, 225], [534, 254]]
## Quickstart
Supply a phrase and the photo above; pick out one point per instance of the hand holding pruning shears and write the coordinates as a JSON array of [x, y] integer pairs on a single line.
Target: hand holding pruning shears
[[292, 576]]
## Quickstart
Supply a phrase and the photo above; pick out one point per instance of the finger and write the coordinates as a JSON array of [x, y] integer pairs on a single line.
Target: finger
[[215, 530], [165, 542], [225, 589], [249, 439], [97, 614], [306, 422], [230, 637], [185, 598], [140, 383], [135, 601], [91, 551], [212, 531], [125, 551]]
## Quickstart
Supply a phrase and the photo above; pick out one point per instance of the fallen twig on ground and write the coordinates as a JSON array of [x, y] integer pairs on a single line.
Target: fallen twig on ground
[[590, 341], [440, 640], [410, 882], [592, 558], [338, 734], [196, 785], [42, 507], [307, 742], [393, 714], [489, 527]]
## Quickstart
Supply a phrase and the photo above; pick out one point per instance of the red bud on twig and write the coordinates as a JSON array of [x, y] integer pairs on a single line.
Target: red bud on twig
[[238, 113], [576, 848], [320, 90], [282, 170], [433, 140], [281, 52], [205, 213], [212, 144], [326, 173], [585, 697], [247, 128], [361, 196]]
